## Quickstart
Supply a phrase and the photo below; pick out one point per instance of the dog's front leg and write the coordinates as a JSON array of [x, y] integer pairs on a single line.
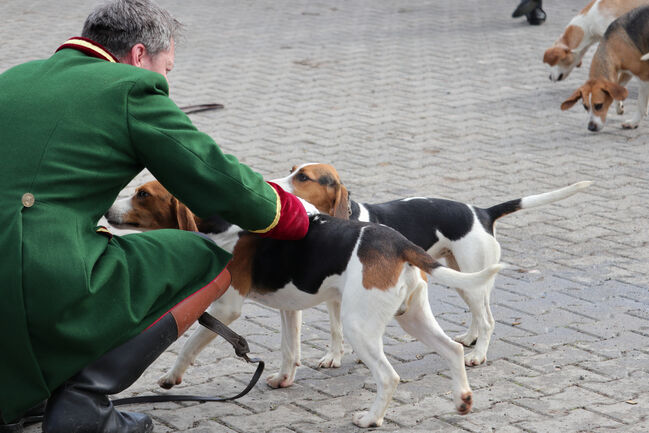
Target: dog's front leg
[[622, 80], [333, 357], [643, 99], [291, 326], [226, 309]]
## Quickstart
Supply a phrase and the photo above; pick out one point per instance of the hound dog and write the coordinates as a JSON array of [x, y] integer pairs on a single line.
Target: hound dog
[[624, 48], [371, 271], [584, 30], [462, 234]]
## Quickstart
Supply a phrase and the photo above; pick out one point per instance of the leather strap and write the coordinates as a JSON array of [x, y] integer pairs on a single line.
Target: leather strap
[[189, 109], [241, 348]]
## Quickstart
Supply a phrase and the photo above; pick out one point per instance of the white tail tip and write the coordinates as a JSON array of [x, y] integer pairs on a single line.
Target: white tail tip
[[586, 183], [645, 57]]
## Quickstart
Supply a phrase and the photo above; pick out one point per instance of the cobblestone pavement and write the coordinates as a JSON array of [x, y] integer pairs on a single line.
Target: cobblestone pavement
[[437, 98]]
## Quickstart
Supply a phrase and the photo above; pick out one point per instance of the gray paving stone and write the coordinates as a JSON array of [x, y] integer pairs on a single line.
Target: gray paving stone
[[445, 99]]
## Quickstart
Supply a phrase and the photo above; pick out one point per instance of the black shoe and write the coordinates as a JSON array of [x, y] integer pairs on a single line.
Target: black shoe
[[525, 7], [536, 17], [81, 404]]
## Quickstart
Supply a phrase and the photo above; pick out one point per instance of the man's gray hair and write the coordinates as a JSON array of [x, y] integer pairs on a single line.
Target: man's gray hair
[[121, 24]]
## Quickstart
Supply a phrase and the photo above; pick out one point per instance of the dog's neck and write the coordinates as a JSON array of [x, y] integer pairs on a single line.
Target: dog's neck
[[355, 210], [214, 224]]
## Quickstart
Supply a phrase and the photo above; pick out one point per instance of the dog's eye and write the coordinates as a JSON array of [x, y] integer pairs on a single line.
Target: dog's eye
[[585, 107], [302, 177], [142, 194], [598, 107]]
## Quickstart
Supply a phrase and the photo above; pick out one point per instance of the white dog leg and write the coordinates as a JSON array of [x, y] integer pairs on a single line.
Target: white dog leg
[[643, 99], [226, 309], [366, 337], [365, 314], [623, 80], [333, 357], [291, 327], [419, 322]]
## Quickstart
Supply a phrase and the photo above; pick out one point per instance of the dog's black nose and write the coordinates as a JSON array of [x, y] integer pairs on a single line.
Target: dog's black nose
[[560, 77], [592, 126]]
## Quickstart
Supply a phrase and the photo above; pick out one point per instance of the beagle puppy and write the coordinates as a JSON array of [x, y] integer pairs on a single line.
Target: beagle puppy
[[463, 235], [370, 271], [623, 49]]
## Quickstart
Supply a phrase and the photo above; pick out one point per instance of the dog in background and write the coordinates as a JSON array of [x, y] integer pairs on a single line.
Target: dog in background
[[370, 271], [463, 235], [624, 48], [584, 30]]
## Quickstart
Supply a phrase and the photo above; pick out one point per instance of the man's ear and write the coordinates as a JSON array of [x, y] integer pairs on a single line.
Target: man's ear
[[618, 92], [568, 103], [184, 217], [135, 55]]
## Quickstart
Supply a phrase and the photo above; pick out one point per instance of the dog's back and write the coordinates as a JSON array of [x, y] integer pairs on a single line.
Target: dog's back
[[636, 26]]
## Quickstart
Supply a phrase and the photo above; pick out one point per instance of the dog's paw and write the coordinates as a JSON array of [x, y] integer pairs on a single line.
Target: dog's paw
[[466, 339], [279, 380], [170, 380], [630, 124], [465, 403], [366, 419], [472, 358], [330, 360]]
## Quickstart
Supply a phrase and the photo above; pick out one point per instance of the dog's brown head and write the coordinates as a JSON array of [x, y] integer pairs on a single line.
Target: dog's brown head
[[597, 95], [152, 207], [320, 185], [562, 56]]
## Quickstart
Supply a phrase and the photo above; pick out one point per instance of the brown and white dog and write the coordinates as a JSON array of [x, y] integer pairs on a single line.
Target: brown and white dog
[[464, 235], [584, 30], [623, 49], [371, 271]]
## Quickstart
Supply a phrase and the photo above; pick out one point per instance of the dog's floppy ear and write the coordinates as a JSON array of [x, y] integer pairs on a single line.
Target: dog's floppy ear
[[568, 103], [340, 208], [554, 54], [184, 217], [618, 92]]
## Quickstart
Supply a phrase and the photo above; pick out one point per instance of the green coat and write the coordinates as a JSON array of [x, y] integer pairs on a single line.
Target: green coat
[[74, 130]]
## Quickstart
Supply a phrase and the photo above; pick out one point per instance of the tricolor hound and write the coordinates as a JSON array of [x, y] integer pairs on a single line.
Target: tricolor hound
[[462, 234], [584, 30], [624, 49], [371, 271]]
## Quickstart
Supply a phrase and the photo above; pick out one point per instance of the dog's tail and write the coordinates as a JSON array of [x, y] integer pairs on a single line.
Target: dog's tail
[[449, 277], [500, 210]]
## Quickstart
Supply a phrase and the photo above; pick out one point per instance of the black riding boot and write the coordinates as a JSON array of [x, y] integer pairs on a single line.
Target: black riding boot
[[81, 404], [16, 427]]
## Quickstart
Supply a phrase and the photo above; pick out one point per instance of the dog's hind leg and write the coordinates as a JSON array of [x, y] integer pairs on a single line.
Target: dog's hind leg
[[291, 327], [419, 322], [226, 309], [334, 355], [472, 254], [366, 338], [365, 313], [471, 335], [643, 100]]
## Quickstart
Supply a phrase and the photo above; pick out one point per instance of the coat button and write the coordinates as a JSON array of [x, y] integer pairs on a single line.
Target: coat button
[[28, 199]]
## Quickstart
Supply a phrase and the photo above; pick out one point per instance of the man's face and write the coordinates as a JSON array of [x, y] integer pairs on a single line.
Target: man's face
[[162, 63]]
